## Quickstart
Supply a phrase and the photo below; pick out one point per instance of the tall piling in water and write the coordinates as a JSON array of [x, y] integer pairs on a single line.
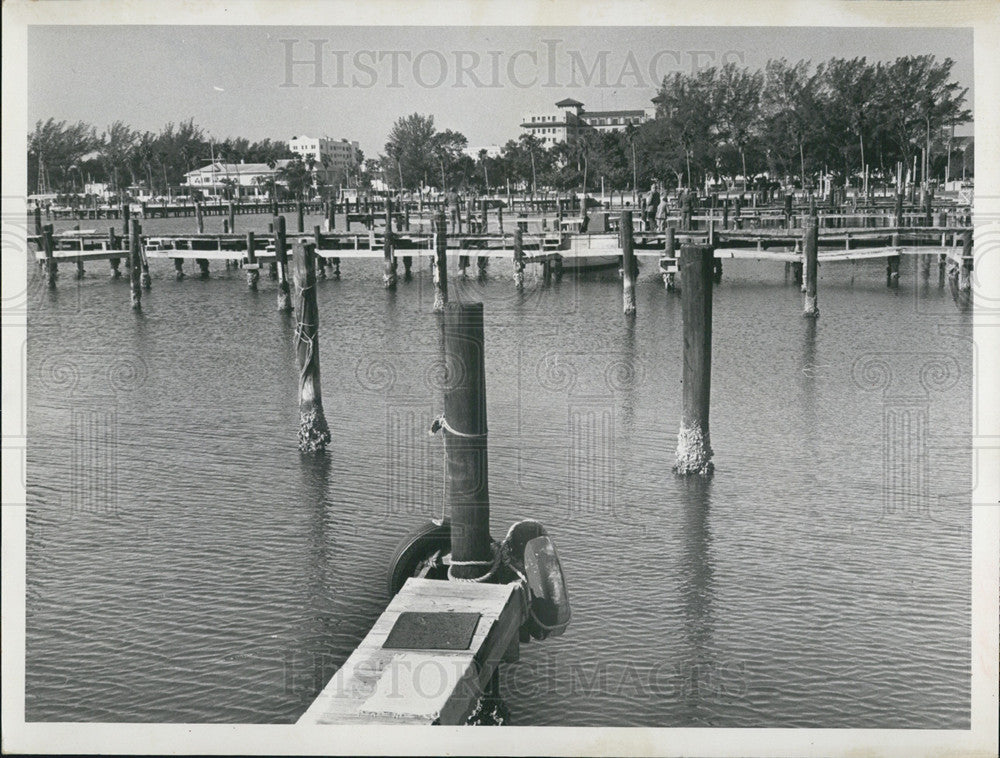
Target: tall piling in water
[[389, 274], [465, 438], [314, 434], [135, 259], [281, 257], [810, 248], [694, 449], [629, 268], [253, 267], [518, 257], [50, 261], [440, 261]]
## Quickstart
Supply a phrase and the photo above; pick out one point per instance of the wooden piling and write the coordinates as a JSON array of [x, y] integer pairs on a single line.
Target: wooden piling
[[669, 247], [135, 255], [810, 246], [199, 219], [281, 258], [300, 219], [331, 216], [389, 275], [898, 211], [519, 256], [113, 245], [50, 261], [465, 437], [892, 265], [440, 261], [694, 449], [629, 267], [253, 267], [178, 268], [314, 434], [231, 217], [38, 221], [320, 263]]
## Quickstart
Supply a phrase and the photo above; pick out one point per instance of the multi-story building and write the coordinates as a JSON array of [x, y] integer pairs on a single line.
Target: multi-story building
[[334, 157], [571, 120]]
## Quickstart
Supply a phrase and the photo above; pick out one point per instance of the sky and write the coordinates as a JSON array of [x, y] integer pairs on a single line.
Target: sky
[[481, 81]]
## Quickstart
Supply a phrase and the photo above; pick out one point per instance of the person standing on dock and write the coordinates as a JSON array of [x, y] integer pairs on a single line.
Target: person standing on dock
[[662, 211], [451, 202], [652, 205]]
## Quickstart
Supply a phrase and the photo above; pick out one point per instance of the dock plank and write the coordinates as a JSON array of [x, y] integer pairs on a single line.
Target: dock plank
[[382, 686]]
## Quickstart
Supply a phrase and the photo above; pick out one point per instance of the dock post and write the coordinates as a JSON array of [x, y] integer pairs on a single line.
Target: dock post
[[199, 220], [892, 265], [253, 270], [694, 449], [314, 434], [788, 211], [518, 257], [629, 269], [135, 254], [331, 216], [738, 211], [113, 245], [231, 213], [300, 219], [898, 211], [126, 229], [668, 248], [178, 268], [281, 257], [146, 279], [810, 246], [38, 221], [320, 261], [464, 427], [440, 261], [50, 261], [389, 275]]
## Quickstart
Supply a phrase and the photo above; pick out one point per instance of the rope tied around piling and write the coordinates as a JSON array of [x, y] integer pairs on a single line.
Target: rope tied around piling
[[494, 565]]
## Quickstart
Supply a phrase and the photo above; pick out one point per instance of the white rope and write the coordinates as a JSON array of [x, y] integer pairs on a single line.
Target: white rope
[[494, 564], [442, 423]]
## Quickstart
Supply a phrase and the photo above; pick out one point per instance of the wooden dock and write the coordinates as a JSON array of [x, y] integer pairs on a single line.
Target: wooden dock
[[385, 684]]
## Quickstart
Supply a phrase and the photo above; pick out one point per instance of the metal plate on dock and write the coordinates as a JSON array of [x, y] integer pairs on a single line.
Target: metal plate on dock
[[418, 630]]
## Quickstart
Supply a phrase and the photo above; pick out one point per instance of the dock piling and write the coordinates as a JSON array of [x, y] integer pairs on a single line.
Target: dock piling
[[281, 258], [314, 434], [518, 257], [253, 269], [135, 255], [389, 275], [113, 245], [810, 245], [694, 450], [50, 261], [440, 261], [465, 439], [629, 268]]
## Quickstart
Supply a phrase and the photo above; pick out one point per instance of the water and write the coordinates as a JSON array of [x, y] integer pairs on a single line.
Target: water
[[186, 564]]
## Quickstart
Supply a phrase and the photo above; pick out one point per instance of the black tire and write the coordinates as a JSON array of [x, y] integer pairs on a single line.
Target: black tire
[[419, 544]]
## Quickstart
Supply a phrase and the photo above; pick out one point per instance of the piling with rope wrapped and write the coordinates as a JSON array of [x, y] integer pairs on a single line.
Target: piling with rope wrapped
[[314, 434], [465, 438]]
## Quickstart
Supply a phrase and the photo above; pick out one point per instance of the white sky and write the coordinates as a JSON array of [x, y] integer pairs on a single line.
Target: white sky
[[229, 79]]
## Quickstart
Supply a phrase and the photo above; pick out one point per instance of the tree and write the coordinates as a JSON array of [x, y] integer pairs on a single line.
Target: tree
[[737, 105], [411, 145], [791, 112], [447, 147]]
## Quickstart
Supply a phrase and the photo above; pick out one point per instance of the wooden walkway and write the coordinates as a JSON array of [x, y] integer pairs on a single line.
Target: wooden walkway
[[424, 685]]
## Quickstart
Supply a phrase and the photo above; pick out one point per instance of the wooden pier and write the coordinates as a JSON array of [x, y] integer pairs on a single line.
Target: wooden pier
[[420, 681]]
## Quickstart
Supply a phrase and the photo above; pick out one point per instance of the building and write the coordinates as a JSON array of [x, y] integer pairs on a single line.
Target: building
[[334, 157], [492, 151], [571, 119], [252, 178]]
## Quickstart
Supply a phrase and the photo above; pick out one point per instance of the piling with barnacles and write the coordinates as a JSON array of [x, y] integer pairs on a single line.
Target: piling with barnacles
[[629, 267], [314, 434], [281, 257], [810, 245], [694, 449], [440, 261]]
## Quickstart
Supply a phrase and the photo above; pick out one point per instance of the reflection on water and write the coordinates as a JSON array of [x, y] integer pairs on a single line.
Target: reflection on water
[[187, 563]]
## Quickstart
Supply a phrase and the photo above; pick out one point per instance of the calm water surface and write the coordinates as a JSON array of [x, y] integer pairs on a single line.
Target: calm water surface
[[187, 564]]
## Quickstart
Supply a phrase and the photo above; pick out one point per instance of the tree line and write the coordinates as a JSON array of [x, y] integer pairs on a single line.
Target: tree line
[[63, 157], [791, 122]]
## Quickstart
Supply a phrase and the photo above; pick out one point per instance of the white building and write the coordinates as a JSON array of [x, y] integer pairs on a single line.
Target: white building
[[333, 156], [492, 151], [250, 177], [571, 119]]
